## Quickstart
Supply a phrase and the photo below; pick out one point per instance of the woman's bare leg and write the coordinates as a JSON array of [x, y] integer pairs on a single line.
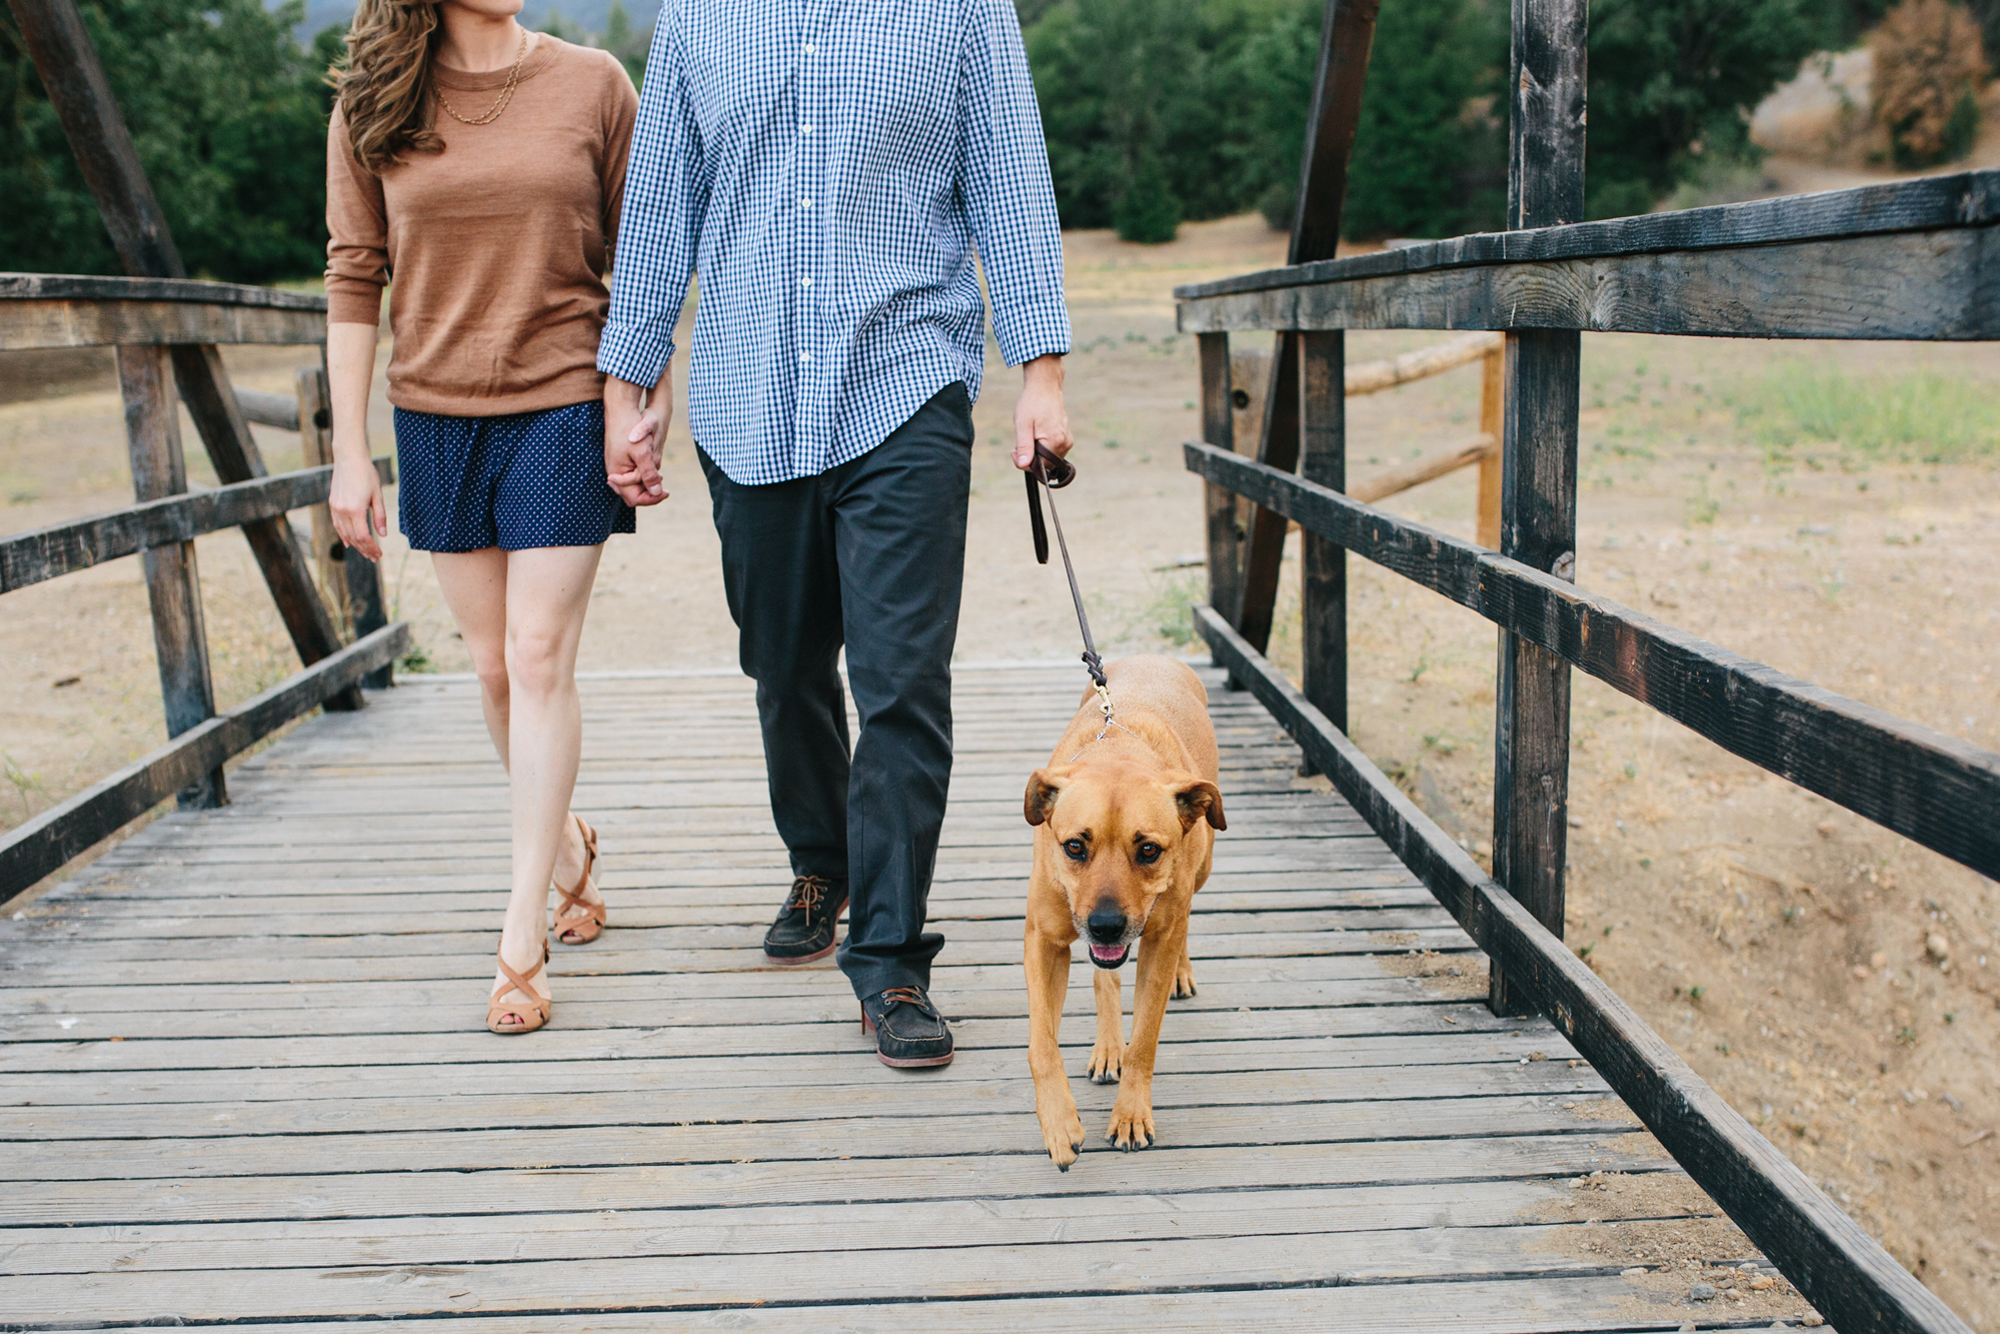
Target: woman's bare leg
[[521, 616]]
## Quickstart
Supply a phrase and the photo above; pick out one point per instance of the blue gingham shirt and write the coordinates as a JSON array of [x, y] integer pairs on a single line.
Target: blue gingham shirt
[[830, 168]]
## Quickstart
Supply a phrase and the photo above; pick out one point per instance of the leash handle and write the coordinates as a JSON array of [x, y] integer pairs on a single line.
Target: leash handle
[[1054, 472]]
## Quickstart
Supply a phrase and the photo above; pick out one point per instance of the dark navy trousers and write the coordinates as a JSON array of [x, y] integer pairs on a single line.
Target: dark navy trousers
[[870, 555]]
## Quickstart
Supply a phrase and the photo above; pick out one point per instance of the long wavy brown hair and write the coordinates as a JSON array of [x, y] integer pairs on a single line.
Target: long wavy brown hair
[[384, 84]]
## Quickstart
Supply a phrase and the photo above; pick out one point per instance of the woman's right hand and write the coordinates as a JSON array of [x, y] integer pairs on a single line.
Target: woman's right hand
[[359, 516]]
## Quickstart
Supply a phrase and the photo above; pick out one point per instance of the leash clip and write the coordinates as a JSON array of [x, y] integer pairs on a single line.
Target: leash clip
[[1103, 698]]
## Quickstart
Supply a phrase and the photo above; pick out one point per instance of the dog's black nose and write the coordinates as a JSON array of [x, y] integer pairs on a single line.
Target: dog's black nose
[[1107, 926]]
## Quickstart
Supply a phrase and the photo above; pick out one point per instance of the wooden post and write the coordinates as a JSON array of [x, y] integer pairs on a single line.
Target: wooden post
[[1323, 418], [1346, 34], [69, 69], [1492, 423], [1538, 475], [1264, 552], [180, 640], [364, 597], [1218, 428], [316, 450]]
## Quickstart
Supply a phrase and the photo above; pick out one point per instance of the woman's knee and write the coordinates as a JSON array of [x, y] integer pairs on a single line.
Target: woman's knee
[[539, 662]]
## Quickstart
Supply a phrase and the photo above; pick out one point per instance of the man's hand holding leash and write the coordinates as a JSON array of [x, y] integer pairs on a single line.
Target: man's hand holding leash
[[635, 431], [1038, 413]]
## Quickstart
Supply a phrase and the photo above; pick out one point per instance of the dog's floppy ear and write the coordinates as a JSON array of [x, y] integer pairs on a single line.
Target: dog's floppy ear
[[1197, 798], [1044, 786]]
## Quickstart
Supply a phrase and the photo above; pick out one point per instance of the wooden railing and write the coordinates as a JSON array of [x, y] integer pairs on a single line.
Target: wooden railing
[[166, 333], [1912, 261]]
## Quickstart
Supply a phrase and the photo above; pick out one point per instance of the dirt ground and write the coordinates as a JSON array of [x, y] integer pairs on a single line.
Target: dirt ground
[[1830, 978]]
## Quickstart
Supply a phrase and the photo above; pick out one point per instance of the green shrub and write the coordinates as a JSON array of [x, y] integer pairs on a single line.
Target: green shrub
[[228, 113]]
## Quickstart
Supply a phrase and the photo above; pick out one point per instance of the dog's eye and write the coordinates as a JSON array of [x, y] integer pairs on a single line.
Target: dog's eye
[[1148, 853], [1076, 849]]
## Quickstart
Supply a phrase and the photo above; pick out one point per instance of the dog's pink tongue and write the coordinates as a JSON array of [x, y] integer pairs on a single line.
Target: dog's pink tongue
[[1108, 953]]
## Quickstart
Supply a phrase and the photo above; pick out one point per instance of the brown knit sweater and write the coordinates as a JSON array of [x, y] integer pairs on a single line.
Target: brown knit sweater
[[498, 245]]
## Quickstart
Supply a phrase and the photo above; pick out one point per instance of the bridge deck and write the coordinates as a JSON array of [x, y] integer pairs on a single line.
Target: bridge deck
[[246, 1080]]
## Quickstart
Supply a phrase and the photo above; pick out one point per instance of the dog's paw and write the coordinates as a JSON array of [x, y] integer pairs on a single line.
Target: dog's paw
[[1184, 978], [1062, 1135], [1105, 1060], [1131, 1127]]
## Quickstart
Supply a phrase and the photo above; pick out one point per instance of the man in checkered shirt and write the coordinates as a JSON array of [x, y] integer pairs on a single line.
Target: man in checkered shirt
[[837, 173]]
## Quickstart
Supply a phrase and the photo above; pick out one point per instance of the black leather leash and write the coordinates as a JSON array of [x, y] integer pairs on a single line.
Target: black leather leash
[[1055, 472]]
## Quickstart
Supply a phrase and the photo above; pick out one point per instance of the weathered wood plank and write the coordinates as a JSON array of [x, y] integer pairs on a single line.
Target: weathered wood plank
[[30, 323], [701, 1281], [1537, 529], [1218, 428], [360, 1086], [94, 287], [173, 583], [1832, 1259], [1022, 1171], [1549, 1305], [44, 843], [665, 1231], [1323, 574], [64, 548], [1966, 200], [1919, 285], [1931, 788]]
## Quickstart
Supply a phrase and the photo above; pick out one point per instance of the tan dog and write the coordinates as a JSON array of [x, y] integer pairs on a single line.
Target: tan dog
[[1123, 840]]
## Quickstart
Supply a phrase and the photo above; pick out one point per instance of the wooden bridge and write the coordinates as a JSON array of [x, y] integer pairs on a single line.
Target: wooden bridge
[[245, 1078], [243, 1088]]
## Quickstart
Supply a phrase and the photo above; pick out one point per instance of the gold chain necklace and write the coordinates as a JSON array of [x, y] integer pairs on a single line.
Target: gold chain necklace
[[506, 94]]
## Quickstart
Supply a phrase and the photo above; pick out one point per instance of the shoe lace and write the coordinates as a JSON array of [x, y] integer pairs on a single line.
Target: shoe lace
[[911, 996], [808, 892]]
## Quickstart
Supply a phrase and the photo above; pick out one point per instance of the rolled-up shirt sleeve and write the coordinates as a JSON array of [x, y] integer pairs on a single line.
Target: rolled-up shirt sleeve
[[357, 229], [666, 198], [1009, 196]]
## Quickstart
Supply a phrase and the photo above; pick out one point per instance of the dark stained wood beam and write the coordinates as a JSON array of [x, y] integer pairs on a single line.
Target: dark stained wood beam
[[64, 548], [1538, 474], [1346, 35], [1942, 285], [1931, 788], [1840, 1268]]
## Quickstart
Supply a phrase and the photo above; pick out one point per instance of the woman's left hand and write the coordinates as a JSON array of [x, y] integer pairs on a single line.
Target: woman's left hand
[[359, 516]]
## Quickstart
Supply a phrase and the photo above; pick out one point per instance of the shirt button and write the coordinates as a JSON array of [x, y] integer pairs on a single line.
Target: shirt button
[[805, 129], [805, 203], [805, 282], [805, 356], [810, 48]]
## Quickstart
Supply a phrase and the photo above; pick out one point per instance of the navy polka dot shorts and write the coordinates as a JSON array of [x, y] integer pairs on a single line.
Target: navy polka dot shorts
[[532, 479]]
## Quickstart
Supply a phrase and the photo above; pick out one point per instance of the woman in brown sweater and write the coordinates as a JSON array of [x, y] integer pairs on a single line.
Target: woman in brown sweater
[[481, 165]]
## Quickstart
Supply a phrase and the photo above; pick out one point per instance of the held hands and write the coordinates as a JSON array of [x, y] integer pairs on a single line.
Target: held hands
[[1038, 413], [359, 516], [634, 432]]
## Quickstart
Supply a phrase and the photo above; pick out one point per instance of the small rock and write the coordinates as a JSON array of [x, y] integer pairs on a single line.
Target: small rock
[[1827, 829], [1860, 972], [1984, 1247], [1687, 1327], [1878, 960], [1937, 947], [1762, 1283], [1702, 1292], [1634, 1272], [1813, 1321]]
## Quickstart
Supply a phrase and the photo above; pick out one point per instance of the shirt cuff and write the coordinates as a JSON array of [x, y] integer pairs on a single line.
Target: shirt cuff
[[1033, 329], [634, 353]]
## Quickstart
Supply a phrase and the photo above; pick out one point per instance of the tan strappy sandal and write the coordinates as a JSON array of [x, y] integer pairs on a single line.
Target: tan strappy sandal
[[575, 915], [533, 1012]]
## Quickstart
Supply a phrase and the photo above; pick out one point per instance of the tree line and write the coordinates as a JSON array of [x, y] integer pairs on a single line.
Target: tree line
[[1157, 112]]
